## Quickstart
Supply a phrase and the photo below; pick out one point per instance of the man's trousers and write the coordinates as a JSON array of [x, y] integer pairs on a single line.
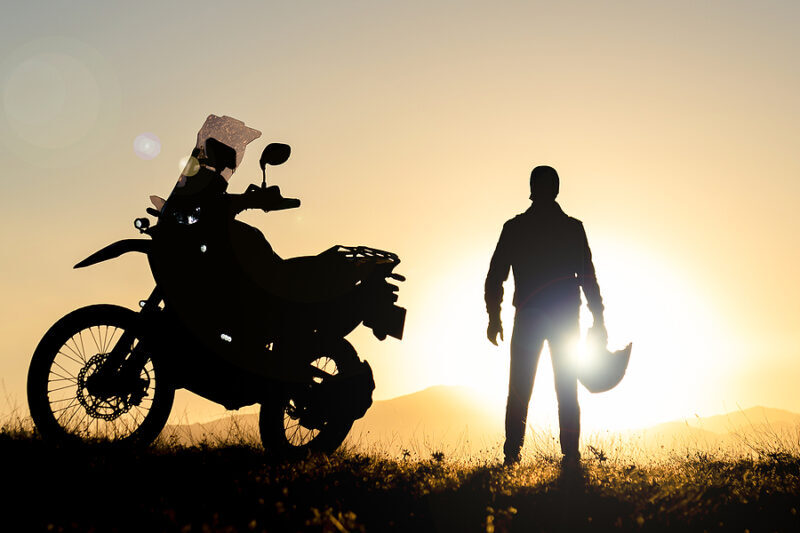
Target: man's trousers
[[532, 327]]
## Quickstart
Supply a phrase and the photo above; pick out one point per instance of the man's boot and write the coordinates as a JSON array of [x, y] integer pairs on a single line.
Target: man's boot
[[513, 445], [511, 459]]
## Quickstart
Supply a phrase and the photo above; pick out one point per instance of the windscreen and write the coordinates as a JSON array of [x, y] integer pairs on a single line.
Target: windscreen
[[227, 130]]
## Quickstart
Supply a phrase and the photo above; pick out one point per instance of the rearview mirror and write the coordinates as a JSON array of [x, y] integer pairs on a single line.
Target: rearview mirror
[[275, 154]]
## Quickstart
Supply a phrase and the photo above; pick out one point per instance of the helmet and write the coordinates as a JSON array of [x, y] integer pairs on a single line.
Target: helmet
[[604, 369]]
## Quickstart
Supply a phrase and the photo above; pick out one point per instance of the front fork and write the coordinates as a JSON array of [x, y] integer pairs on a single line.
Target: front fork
[[119, 367]]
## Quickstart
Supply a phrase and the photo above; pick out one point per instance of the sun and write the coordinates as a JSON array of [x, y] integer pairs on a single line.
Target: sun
[[649, 301], [677, 337]]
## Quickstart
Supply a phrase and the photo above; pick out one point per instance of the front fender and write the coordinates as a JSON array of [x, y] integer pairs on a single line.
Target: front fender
[[116, 249]]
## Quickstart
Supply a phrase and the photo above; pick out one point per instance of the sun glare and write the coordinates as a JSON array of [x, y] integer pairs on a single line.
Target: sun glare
[[648, 302], [676, 338]]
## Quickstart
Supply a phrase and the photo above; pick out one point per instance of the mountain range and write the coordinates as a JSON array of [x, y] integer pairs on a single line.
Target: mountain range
[[453, 420]]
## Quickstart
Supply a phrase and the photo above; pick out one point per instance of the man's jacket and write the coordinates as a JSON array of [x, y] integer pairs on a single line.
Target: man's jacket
[[549, 254]]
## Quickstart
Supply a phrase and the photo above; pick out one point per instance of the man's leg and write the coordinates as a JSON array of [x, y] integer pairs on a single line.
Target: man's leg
[[526, 345], [562, 347]]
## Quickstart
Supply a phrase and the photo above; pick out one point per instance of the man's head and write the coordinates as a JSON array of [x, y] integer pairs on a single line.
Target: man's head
[[544, 183]]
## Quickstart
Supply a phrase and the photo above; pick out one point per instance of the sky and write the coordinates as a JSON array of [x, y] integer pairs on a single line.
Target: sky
[[414, 126]]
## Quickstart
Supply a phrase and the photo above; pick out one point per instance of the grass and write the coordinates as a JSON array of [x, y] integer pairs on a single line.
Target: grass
[[230, 486]]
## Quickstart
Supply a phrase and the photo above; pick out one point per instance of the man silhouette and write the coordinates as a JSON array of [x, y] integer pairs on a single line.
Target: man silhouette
[[549, 254]]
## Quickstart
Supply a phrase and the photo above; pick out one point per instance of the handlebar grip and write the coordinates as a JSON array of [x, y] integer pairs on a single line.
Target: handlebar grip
[[267, 199], [287, 203]]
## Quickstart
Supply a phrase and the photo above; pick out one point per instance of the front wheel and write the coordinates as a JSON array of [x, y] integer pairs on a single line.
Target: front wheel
[[317, 417], [72, 402]]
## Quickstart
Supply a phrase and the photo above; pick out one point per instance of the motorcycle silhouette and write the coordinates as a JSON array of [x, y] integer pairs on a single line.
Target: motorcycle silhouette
[[228, 319]]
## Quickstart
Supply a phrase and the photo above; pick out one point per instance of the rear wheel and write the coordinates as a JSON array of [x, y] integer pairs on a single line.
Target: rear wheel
[[292, 427], [70, 402]]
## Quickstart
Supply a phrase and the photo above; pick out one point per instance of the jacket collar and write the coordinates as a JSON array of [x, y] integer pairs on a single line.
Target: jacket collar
[[545, 210]]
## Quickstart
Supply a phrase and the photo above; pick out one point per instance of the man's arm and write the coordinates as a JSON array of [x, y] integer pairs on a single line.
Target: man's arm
[[493, 288], [588, 280]]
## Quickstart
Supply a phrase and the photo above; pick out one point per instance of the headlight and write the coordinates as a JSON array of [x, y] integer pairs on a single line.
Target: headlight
[[191, 217]]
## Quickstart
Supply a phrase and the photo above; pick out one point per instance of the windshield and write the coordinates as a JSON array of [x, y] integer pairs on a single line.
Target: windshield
[[227, 130]]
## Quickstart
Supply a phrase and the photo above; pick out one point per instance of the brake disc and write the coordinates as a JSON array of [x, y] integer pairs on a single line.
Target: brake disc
[[107, 409]]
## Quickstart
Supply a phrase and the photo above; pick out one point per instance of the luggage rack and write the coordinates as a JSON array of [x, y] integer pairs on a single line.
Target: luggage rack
[[358, 252]]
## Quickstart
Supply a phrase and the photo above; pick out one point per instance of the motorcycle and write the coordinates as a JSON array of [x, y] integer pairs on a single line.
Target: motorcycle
[[228, 319]]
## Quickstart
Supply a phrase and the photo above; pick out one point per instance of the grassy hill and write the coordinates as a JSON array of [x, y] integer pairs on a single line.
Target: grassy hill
[[226, 483], [235, 489]]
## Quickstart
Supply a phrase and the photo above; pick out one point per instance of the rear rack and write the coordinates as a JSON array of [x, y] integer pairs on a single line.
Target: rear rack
[[358, 252]]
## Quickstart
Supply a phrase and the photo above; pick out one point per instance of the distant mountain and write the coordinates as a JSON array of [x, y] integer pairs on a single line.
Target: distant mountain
[[674, 435], [748, 420], [231, 429], [753, 428], [441, 418], [456, 421]]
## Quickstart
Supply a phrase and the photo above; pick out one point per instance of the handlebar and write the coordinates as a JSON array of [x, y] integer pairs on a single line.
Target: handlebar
[[266, 198]]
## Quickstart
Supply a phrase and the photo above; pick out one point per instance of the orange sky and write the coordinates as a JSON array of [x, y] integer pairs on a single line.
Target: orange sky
[[414, 128]]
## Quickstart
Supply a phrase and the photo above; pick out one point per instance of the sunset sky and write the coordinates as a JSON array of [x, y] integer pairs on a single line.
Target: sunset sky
[[675, 127]]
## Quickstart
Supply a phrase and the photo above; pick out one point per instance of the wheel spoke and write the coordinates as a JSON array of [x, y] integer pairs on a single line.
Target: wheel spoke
[[71, 403], [83, 348], [62, 368], [75, 350], [94, 339], [105, 339], [62, 378], [66, 413], [66, 424], [111, 339], [101, 337], [83, 417], [76, 361], [61, 388], [71, 380], [67, 399]]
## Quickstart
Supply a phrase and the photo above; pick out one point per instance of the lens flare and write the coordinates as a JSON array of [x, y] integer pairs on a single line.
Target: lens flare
[[52, 100], [188, 166], [146, 146]]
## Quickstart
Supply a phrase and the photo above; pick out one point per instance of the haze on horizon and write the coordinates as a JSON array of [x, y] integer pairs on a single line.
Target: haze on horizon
[[414, 127]]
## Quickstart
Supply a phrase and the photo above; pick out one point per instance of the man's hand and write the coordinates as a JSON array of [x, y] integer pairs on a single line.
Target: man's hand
[[495, 327]]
